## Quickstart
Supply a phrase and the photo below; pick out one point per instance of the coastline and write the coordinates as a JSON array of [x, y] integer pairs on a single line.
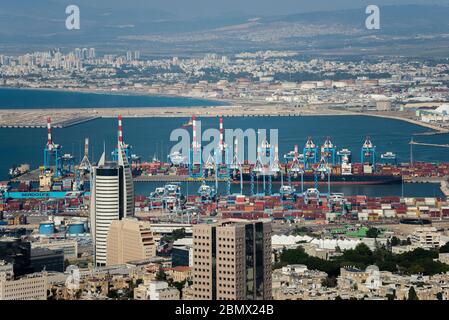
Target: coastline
[[25, 118], [124, 93], [35, 117]]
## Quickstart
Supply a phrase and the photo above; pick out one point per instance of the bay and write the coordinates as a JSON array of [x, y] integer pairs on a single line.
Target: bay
[[150, 136], [18, 98]]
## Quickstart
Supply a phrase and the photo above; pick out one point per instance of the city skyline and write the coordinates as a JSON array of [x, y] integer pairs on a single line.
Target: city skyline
[[230, 158]]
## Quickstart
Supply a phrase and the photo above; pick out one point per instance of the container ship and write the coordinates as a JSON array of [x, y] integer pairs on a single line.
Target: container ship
[[310, 178]]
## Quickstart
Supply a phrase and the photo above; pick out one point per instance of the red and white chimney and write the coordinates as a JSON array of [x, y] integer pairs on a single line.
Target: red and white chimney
[[221, 134], [49, 138], [194, 139], [120, 130]]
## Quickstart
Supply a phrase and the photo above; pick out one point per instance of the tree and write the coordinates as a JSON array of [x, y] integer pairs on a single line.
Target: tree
[[395, 241], [391, 296], [329, 282], [440, 296], [113, 294], [445, 248], [412, 294], [178, 234], [372, 232], [66, 263], [161, 275], [416, 269]]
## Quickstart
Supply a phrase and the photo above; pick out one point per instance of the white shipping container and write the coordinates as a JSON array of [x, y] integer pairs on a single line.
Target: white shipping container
[[389, 213]]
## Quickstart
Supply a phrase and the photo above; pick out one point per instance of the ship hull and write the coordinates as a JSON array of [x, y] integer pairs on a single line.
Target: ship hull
[[365, 179]]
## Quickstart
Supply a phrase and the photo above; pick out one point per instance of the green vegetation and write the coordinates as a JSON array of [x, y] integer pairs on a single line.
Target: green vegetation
[[176, 234], [372, 233], [395, 241], [391, 296], [445, 248], [412, 294], [413, 262], [299, 231], [161, 275], [329, 282]]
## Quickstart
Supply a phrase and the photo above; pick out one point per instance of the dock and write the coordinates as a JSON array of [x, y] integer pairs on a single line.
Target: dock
[[26, 124], [445, 188], [429, 144], [443, 181], [173, 178]]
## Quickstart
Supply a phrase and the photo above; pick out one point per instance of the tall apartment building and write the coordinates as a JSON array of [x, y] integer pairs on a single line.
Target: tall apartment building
[[29, 287], [112, 198], [129, 240], [232, 260], [16, 252]]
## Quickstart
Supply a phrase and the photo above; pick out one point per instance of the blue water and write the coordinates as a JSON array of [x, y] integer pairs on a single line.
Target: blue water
[[408, 190], [13, 98], [150, 136]]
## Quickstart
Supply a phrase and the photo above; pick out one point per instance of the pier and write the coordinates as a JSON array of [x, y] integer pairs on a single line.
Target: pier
[[429, 144], [173, 178], [443, 181], [445, 188], [24, 123]]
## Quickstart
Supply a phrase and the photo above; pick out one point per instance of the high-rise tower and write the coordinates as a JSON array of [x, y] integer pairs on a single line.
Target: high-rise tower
[[112, 198], [232, 260]]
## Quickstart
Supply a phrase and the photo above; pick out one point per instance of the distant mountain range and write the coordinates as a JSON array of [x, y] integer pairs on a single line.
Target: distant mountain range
[[27, 24]]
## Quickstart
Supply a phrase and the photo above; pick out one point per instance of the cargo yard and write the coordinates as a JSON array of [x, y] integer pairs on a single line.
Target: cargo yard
[[292, 187], [51, 206]]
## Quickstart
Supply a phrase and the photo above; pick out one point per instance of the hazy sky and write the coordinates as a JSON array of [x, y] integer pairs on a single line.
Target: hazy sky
[[195, 8]]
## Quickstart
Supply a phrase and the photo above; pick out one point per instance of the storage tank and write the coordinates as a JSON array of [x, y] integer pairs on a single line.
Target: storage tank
[[75, 228], [46, 228]]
